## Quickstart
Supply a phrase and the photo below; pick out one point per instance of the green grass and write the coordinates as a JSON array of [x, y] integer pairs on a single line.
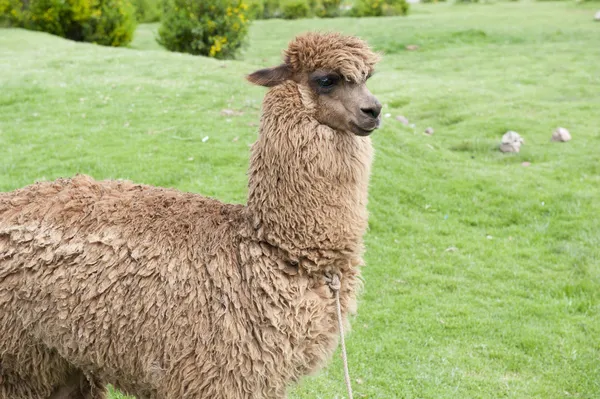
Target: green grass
[[482, 276]]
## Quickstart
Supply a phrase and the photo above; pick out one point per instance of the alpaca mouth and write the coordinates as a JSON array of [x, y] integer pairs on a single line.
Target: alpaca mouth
[[364, 130]]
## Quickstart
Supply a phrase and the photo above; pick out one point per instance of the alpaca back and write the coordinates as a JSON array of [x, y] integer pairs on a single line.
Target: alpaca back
[[119, 278], [161, 293]]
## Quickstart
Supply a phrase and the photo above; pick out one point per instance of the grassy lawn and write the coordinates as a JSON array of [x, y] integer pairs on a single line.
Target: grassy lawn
[[482, 276]]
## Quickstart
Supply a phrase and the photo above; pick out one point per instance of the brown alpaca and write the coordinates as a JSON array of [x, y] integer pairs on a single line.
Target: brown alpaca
[[173, 295]]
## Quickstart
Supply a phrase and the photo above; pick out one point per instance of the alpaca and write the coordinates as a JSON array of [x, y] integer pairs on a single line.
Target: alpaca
[[171, 295]]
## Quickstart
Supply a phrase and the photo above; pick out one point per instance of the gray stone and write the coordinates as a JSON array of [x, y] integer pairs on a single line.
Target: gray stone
[[561, 134], [511, 142]]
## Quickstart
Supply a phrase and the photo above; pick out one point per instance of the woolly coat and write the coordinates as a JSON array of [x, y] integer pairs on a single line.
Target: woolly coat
[[173, 295]]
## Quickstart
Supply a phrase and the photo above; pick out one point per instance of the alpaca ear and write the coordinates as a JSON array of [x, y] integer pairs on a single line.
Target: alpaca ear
[[270, 77]]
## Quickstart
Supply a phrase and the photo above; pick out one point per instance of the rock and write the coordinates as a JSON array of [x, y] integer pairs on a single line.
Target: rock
[[511, 142], [526, 164], [412, 47], [402, 119], [429, 131], [561, 134], [597, 16], [387, 115]]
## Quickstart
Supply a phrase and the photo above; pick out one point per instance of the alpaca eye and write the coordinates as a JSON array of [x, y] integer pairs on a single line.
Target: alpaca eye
[[325, 82]]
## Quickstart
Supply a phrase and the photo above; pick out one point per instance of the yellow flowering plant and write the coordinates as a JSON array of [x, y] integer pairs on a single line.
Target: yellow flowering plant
[[105, 22], [213, 28]]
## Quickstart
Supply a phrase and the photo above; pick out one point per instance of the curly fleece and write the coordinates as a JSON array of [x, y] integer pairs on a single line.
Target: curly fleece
[[173, 295], [347, 55]]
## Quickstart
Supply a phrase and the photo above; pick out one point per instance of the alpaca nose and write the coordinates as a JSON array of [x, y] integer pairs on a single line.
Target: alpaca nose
[[373, 111]]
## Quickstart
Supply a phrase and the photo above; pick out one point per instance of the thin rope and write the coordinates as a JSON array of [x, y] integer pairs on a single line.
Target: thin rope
[[335, 286]]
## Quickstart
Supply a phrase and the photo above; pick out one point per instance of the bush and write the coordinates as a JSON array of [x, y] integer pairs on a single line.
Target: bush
[[10, 12], [327, 8], [106, 22], [395, 7], [271, 9], [295, 9], [256, 9], [214, 28], [147, 10], [378, 8]]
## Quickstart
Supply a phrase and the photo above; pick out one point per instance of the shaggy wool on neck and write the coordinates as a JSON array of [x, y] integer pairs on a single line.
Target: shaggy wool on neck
[[312, 191]]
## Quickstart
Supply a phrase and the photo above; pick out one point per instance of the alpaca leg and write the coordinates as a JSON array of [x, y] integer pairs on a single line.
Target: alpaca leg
[[31, 371], [78, 386], [13, 386]]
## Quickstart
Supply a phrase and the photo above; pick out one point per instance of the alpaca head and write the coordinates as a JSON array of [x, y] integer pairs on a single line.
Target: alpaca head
[[331, 71]]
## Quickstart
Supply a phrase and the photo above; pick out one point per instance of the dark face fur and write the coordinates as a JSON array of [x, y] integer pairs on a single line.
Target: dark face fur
[[340, 104]]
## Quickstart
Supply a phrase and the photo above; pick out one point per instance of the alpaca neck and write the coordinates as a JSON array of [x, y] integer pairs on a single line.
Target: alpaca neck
[[307, 182]]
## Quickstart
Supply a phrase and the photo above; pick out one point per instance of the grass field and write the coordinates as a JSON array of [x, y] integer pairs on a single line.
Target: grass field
[[482, 276]]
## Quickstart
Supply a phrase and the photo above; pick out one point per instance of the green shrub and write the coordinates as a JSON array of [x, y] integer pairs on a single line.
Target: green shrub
[[214, 28], [114, 26], [106, 22], [147, 10], [256, 9], [395, 7], [327, 8], [295, 9], [378, 8], [272, 9], [11, 12]]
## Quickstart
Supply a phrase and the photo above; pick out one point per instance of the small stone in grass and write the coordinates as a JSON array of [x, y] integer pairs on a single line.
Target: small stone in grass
[[402, 119], [387, 115], [205, 139], [526, 164], [429, 131], [597, 16], [561, 134], [489, 237], [412, 47], [511, 142]]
